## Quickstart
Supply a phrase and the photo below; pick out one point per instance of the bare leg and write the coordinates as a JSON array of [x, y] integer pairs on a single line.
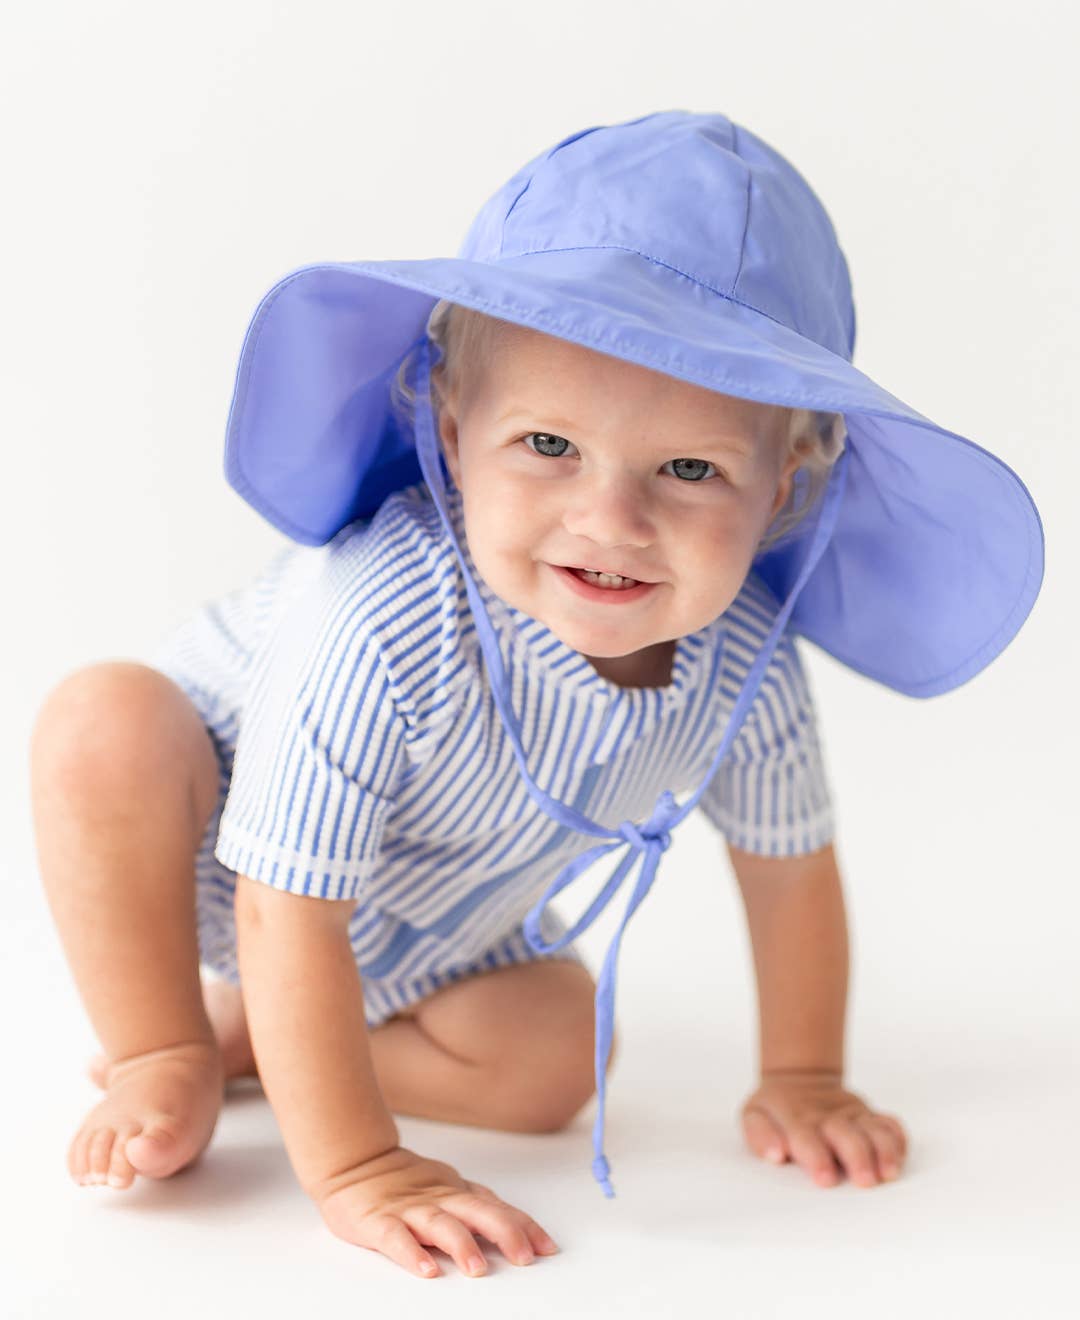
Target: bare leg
[[123, 780], [225, 1009], [510, 1049]]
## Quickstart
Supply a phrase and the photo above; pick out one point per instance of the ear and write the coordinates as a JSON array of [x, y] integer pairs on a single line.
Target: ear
[[448, 435], [787, 475]]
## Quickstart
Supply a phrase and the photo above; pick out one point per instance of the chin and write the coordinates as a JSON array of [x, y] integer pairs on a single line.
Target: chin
[[592, 640]]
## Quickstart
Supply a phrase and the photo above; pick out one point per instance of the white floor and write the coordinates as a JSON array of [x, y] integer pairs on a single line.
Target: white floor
[[983, 1221]]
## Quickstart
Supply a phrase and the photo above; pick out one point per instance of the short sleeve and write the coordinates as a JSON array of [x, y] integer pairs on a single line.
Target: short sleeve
[[319, 756], [770, 794]]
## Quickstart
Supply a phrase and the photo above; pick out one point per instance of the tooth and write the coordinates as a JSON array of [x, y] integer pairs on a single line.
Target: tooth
[[607, 579]]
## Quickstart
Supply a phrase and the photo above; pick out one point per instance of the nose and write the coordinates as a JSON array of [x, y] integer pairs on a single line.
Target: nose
[[610, 511]]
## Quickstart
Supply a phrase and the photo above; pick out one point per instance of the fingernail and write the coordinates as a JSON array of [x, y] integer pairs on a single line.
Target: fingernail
[[774, 1154], [427, 1267], [476, 1265], [547, 1244], [115, 1180]]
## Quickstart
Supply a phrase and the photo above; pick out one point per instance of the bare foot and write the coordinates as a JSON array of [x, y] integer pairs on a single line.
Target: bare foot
[[225, 1009], [158, 1114]]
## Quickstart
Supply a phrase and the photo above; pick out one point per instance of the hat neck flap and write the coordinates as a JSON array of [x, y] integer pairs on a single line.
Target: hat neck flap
[[653, 837]]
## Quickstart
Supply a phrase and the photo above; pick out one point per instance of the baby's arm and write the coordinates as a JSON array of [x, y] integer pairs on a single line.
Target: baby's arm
[[801, 1109], [798, 928], [305, 1008], [305, 1011]]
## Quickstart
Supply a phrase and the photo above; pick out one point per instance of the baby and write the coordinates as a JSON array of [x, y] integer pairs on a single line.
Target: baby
[[637, 474], [311, 792]]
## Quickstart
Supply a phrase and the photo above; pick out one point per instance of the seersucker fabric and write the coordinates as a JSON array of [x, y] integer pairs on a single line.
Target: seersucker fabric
[[362, 756]]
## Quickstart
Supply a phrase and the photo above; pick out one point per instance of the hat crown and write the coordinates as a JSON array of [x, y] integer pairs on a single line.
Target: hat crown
[[696, 194]]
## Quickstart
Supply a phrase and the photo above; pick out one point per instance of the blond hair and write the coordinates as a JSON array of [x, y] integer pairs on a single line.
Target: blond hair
[[462, 336]]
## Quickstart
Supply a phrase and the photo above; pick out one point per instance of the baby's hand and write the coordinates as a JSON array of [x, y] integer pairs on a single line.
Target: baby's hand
[[399, 1200], [808, 1117]]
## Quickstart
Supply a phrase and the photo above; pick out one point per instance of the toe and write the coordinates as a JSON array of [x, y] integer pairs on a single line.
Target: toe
[[153, 1151], [99, 1153], [120, 1172], [76, 1156]]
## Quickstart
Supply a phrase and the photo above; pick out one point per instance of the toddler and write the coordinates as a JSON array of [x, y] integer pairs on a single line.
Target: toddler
[[347, 792]]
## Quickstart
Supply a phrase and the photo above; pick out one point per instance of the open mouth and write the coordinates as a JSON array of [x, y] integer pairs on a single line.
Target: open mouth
[[610, 581], [602, 587]]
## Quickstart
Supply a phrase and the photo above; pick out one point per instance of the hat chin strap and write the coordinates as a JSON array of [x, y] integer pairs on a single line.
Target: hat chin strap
[[650, 839]]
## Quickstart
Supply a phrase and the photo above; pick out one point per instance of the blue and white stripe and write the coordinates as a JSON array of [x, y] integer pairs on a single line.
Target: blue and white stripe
[[366, 758]]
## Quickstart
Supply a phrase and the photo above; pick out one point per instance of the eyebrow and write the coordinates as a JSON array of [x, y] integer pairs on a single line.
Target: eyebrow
[[712, 442]]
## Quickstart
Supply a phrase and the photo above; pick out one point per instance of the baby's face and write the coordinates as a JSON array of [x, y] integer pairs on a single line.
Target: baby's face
[[565, 456]]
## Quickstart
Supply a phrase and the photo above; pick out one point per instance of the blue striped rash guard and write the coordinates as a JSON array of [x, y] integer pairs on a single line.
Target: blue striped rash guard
[[363, 757]]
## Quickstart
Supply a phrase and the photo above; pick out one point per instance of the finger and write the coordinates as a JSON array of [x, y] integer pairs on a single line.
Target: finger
[[389, 1235], [437, 1227], [500, 1223], [764, 1136], [854, 1148], [542, 1242], [812, 1153], [898, 1128], [888, 1146]]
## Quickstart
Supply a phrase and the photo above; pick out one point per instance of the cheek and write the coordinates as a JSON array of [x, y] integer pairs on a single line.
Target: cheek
[[493, 478], [499, 535], [509, 506], [713, 554], [715, 536]]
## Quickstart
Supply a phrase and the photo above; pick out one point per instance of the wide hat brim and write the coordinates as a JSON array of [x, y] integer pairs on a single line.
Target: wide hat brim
[[937, 555]]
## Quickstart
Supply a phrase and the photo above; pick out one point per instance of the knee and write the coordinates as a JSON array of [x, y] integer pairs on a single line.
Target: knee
[[542, 1105], [106, 723], [583, 1085], [555, 1087]]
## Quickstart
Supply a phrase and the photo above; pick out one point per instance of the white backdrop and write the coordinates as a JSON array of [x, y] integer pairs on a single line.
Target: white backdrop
[[163, 167]]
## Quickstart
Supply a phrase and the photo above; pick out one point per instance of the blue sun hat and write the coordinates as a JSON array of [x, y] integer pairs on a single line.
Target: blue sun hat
[[683, 243]]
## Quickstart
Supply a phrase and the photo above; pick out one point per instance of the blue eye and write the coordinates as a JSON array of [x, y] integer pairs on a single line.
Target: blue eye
[[696, 464], [544, 439], [547, 439]]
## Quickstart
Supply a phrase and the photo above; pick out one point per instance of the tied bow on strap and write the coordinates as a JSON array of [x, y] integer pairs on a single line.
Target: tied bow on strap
[[651, 841]]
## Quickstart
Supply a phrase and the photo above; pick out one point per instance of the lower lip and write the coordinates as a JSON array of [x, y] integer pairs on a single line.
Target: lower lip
[[603, 595]]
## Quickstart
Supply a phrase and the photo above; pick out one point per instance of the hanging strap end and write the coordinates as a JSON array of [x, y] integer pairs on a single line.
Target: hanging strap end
[[601, 1173]]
